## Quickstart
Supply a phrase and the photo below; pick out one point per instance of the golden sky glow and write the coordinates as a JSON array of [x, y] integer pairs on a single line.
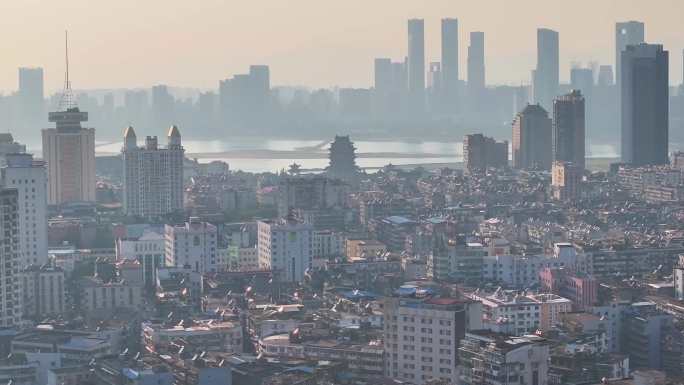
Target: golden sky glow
[[129, 43]]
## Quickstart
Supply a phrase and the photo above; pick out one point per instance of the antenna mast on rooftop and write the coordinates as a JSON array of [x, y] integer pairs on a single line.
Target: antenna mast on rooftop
[[67, 100]]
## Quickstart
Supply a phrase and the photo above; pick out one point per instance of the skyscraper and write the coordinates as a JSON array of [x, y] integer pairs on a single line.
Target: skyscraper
[[69, 151], [569, 129], [10, 300], [546, 79], [162, 106], [389, 86], [29, 177], [449, 62], [626, 33], [644, 104], [416, 63], [436, 92], [476, 67], [153, 176], [582, 79], [605, 76], [31, 96], [244, 99], [383, 74], [532, 139]]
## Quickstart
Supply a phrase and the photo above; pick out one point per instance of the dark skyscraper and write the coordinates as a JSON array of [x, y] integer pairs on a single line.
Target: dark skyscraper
[[476, 66], [450, 62], [546, 78], [626, 33], [568, 128], [532, 139], [644, 103], [416, 63]]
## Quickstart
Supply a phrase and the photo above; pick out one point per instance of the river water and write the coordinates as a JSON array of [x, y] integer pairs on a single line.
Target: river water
[[285, 152]]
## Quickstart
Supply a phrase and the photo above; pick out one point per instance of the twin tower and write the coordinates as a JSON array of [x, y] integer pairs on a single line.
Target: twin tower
[[152, 175]]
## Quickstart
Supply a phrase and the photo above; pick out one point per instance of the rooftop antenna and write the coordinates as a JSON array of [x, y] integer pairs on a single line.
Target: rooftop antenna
[[67, 101]]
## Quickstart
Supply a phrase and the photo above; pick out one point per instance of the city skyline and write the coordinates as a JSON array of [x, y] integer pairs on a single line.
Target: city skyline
[[161, 52]]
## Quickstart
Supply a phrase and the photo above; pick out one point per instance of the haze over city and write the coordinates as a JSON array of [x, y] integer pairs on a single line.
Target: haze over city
[[341, 192], [129, 43]]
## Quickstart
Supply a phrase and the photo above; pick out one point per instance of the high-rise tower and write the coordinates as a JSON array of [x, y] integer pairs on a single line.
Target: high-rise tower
[[416, 63], [626, 33], [29, 177], [546, 78], [532, 139], [10, 300], [569, 129], [31, 97], [450, 63], [644, 101], [69, 151], [153, 176], [476, 67]]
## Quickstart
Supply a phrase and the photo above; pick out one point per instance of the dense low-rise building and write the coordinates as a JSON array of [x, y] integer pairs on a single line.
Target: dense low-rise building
[[43, 291], [360, 360], [100, 299], [207, 335], [519, 313], [497, 359]]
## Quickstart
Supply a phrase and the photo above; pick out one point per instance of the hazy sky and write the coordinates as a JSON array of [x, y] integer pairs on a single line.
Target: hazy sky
[[317, 43]]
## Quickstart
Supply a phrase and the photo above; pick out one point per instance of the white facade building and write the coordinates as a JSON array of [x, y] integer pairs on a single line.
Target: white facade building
[[490, 358], [678, 277], [99, 298], [523, 271], [43, 291], [421, 337], [148, 249], [29, 177], [193, 244], [512, 312], [212, 335], [153, 176], [248, 259], [285, 247]]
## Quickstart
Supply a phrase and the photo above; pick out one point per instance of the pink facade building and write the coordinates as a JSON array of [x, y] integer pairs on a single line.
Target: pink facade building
[[581, 289]]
